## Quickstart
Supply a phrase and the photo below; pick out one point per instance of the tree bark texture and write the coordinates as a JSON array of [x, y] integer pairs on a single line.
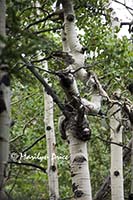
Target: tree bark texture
[[4, 104], [51, 146]]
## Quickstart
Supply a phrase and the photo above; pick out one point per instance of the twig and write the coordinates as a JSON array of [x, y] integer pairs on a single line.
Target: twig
[[28, 148], [110, 142], [45, 18], [28, 96], [47, 30], [33, 7], [123, 4], [100, 88], [48, 71], [27, 123], [40, 20], [28, 164], [15, 181], [16, 138], [42, 59]]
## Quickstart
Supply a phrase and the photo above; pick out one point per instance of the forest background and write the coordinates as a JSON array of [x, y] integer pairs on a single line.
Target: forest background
[[34, 30]]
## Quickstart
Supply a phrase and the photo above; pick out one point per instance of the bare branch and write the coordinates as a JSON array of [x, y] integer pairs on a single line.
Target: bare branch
[[44, 19], [34, 7], [123, 4], [47, 30], [32, 145], [29, 165], [48, 89], [110, 142]]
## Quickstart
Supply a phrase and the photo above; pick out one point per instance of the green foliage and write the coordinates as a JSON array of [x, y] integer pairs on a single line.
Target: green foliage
[[114, 58]]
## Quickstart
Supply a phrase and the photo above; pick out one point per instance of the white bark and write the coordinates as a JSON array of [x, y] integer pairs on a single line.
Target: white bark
[[117, 187], [105, 188], [117, 190], [115, 22], [79, 167], [92, 106], [132, 162], [73, 41], [51, 147], [75, 49], [66, 47], [4, 106], [72, 45], [78, 149], [2, 23]]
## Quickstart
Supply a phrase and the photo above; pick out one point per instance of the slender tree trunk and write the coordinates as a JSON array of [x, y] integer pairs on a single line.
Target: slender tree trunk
[[4, 105], [105, 188], [2, 23], [117, 187], [117, 190], [131, 192], [51, 147]]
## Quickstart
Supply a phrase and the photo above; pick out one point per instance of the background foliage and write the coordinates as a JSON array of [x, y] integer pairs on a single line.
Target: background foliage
[[109, 56]]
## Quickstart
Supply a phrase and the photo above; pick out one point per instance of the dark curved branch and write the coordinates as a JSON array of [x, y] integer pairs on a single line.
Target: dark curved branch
[[48, 89], [40, 20], [45, 18], [32, 145], [29, 165], [34, 7], [48, 71], [110, 142], [42, 59], [47, 30], [123, 4]]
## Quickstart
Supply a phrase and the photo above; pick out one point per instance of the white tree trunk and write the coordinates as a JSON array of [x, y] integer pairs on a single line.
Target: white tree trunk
[[51, 147], [79, 167], [131, 192], [105, 187], [2, 23], [78, 149], [4, 106], [80, 174], [117, 188], [73, 41], [117, 191]]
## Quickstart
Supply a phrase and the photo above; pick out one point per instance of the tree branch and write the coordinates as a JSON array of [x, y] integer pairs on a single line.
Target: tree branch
[[110, 142], [48, 89], [44, 19], [29, 164], [123, 4], [47, 30], [28, 148]]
